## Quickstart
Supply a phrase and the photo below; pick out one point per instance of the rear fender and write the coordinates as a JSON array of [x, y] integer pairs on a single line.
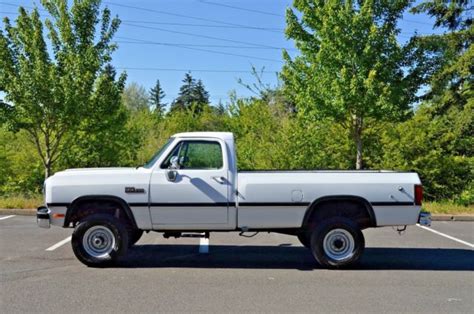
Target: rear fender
[[319, 204]]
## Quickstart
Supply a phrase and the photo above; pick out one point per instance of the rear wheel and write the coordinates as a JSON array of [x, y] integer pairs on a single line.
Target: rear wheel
[[305, 239], [337, 242], [99, 240]]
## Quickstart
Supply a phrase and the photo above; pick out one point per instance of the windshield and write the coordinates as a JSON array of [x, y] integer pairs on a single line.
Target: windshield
[[155, 157]]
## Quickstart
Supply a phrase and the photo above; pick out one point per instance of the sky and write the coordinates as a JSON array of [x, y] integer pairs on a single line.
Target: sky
[[217, 41]]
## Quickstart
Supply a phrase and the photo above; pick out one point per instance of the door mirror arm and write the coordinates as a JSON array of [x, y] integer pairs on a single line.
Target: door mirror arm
[[174, 163]]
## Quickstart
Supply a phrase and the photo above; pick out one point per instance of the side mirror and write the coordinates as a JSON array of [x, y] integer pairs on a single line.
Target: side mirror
[[171, 175]]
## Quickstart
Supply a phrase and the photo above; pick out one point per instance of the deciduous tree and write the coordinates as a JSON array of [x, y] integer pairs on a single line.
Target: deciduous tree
[[351, 66], [135, 97], [48, 91], [101, 138]]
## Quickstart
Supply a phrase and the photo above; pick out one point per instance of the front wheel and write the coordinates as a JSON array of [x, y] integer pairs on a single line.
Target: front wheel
[[337, 242], [134, 235], [99, 240]]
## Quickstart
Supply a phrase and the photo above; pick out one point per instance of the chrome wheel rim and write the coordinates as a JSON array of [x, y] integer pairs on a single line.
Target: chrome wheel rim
[[98, 241], [339, 244]]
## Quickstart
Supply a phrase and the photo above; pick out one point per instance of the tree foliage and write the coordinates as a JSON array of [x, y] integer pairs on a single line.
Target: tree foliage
[[48, 94], [449, 14], [135, 97], [101, 137], [449, 55], [350, 66], [438, 147], [438, 142], [351, 78]]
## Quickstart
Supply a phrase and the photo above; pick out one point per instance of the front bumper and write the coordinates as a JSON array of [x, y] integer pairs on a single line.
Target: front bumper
[[424, 219], [43, 219]]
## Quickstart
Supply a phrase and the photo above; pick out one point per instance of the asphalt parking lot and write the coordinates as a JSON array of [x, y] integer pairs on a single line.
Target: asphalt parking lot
[[421, 271]]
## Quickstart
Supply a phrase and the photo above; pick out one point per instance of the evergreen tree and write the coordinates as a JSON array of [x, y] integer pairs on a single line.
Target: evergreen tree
[[220, 109], [439, 141], [448, 57], [192, 95], [200, 94], [156, 99], [449, 14], [186, 94]]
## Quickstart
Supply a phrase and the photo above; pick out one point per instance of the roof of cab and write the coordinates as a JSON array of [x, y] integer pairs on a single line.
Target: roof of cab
[[221, 135]]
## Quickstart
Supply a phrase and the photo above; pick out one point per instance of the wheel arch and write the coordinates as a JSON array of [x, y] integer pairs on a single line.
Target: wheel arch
[[75, 206], [323, 203]]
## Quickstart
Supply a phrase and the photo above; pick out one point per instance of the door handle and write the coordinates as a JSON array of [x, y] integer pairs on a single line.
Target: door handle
[[220, 180]]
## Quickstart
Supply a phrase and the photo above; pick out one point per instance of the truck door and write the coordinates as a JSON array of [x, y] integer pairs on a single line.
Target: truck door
[[194, 193]]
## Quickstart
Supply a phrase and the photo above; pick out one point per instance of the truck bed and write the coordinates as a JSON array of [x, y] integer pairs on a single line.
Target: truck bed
[[390, 194]]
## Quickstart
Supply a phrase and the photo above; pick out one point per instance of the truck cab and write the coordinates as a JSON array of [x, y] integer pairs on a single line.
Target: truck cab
[[193, 185]]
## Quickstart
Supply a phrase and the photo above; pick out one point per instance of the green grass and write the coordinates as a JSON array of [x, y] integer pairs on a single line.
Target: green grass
[[21, 202], [448, 208], [28, 202]]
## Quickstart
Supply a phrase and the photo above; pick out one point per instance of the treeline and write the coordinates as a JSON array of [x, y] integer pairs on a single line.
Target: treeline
[[354, 98], [269, 136]]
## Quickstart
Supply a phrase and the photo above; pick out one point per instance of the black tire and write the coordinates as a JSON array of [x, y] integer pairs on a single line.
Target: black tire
[[305, 239], [134, 235], [99, 240], [337, 242]]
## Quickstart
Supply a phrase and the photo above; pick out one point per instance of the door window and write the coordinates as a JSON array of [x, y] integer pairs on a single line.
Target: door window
[[196, 155]]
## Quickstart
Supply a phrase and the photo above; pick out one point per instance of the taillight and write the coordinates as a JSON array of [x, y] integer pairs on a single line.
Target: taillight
[[418, 194]]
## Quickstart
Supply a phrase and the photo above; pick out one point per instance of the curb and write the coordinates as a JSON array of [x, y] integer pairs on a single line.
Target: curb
[[18, 211], [452, 217], [32, 212]]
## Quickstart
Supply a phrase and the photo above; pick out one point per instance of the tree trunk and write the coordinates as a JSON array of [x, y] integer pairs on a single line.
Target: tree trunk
[[47, 170], [45, 155], [47, 164], [358, 125]]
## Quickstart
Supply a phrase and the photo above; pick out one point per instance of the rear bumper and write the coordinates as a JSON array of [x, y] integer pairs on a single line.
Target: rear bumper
[[424, 219], [43, 219]]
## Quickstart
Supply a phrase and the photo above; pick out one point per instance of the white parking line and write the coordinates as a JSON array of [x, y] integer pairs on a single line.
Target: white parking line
[[6, 217], [447, 236], [204, 245], [60, 243]]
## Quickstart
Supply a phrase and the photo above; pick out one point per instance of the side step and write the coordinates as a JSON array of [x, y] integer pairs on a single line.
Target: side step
[[177, 234]]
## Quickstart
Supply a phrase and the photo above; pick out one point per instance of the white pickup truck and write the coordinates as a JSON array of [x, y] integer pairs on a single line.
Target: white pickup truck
[[192, 186]]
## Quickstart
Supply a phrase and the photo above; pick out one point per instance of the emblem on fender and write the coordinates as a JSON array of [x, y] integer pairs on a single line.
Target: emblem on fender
[[131, 189]]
